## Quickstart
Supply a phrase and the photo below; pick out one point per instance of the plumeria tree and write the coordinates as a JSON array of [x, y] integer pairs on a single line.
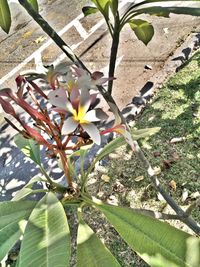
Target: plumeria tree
[[64, 119]]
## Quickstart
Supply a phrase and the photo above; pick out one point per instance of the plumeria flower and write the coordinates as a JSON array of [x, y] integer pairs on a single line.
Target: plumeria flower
[[87, 81], [77, 105], [119, 128]]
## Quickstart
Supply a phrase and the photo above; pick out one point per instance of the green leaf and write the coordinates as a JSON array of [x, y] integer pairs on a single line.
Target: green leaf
[[176, 10], [164, 14], [114, 6], [142, 29], [88, 10], [142, 133], [147, 236], [27, 189], [120, 141], [46, 239], [91, 251], [34, 4], [5, 17], [103, 6], [11, 213], [29, 147]]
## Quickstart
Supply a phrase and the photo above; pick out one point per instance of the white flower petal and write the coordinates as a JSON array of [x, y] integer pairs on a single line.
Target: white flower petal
[[93, 132], [75, 98], [85, 100], [58, 98], [96, 115], [69, 126]]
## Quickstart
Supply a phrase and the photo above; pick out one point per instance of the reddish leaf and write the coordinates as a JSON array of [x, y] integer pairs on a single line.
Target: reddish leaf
[[7, 107], [156, 154], [37, 89]]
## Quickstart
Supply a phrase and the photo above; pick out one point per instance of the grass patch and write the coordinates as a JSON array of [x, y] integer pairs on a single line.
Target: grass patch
[[176, 109]]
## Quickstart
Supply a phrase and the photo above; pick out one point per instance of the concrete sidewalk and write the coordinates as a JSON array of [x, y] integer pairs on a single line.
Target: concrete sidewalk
[[140, 67]]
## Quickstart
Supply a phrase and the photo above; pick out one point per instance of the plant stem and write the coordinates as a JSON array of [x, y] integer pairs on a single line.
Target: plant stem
[[43, 171], [57, 187], [66, 168], [113, 52], [108, 97]]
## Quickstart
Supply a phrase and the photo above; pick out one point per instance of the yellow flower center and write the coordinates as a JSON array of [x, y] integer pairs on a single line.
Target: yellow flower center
[[80, 115]]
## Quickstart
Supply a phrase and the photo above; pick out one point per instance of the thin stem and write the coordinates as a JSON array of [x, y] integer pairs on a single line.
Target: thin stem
[[110, 27], [113, 52], [194, 205], [43, 171], [55, 186], [66, 168]]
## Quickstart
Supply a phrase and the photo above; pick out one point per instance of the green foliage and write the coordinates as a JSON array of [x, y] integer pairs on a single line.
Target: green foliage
[[5, 17], [103, 7], [88, 10], [142, 29], [114, 6], [29, 147], [46, 239], [120, 141], [91, 251], [147, 236], [11, 214], [166, 10], [27, 189]]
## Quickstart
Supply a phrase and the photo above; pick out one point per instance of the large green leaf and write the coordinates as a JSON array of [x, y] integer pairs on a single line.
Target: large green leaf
[[5, 17], [46, 239], [91, 251], [27, 189], [149, 237], [103, 6], [34, 4], [176, 10], [142, 29], [11, 213], [29, 147]]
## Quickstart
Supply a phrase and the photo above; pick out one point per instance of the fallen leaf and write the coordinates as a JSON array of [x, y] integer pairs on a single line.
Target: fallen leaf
[[195, 195], [156, 154], [184, 195], [139, 178], [40, 39], [157, 170], [118, 187], [172, 184], [168, 162], [175, 156], [112, 200], [105, 178], [177, 140]]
